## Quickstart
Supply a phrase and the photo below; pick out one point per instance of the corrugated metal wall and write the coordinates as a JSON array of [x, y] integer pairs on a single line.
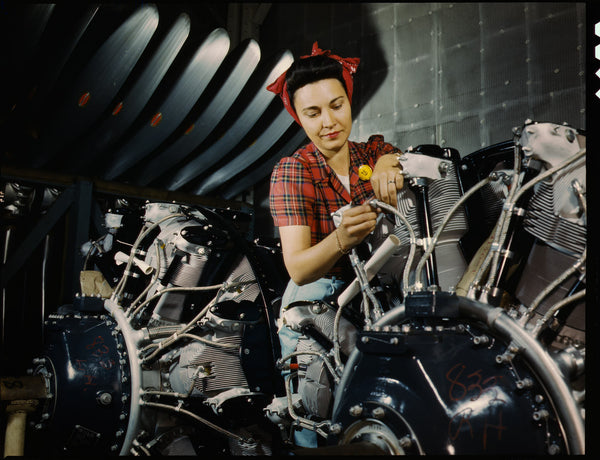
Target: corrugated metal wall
[[455, 74]]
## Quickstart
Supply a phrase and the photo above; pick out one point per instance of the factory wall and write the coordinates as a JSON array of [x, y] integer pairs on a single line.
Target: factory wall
[[454, 74], [458, 75]]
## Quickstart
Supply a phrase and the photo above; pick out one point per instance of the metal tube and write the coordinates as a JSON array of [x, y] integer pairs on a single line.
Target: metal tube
[[14, 443], [507, 211], [412, 242], [132, 338], [427, 229], [379, 257], [7, 236], [553, 285], [552, 311], [442, 225], [22, 388]]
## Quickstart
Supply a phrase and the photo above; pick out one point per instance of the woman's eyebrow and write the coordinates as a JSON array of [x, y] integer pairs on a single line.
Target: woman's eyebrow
[[314, 107]]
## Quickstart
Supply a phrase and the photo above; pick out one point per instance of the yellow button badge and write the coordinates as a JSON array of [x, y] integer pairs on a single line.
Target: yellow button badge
[[364, 172]]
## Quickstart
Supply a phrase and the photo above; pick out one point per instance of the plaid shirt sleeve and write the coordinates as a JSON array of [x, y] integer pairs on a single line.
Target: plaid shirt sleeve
[[292, 193], [376, 147], [367, 153]]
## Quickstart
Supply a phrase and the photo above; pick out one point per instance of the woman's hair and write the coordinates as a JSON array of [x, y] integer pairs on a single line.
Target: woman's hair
[[312, 69]]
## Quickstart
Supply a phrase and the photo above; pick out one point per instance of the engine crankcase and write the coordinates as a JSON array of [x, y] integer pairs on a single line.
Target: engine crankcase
[[86, 368], [443, 388]]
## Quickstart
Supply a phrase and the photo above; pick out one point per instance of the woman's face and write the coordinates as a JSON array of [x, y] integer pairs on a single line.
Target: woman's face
[[324, 111]]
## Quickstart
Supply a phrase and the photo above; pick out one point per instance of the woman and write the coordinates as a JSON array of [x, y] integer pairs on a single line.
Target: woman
[[322, 177]]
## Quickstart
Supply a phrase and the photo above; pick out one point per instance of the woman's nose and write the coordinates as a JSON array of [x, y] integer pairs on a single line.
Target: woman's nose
[[327, 118]]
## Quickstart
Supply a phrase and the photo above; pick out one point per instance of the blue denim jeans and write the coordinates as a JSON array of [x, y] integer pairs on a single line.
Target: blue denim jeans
[[322, 289]]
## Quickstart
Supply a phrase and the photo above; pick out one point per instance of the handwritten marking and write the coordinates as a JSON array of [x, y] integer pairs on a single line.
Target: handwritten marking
[[475, 384]]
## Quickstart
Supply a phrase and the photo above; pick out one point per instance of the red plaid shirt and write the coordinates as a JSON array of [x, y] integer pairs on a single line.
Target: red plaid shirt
[[306, 191]]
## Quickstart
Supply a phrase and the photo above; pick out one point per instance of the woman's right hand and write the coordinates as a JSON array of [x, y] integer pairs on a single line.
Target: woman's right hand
[[306, 263], [357, 222]]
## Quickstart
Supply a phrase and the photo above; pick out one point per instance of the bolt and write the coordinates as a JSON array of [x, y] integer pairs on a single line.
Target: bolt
[[540, 415], [104, 398], [317, 309], [336, 428], [481, 340], [554, 449], [378, 413], [524, 383], [405, 442], [356, 411]]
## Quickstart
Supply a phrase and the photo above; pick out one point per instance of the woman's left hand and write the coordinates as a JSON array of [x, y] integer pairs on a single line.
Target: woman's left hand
[[387, 178]]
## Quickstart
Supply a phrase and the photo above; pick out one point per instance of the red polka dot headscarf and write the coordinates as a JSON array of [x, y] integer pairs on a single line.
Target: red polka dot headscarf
[[349, 65]]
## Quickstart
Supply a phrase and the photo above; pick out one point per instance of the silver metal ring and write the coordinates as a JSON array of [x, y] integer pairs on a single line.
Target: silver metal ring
[[391, 182]]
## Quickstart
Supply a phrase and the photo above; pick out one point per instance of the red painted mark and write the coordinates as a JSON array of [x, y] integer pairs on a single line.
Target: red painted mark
[[102, 350], [80, 366], [107, 364], [189, 130], [455, 426], [156, 119], [499, 427], [474, 384], [84, 99], [97, 341], [89, 381], [455, 383], [117, 108]]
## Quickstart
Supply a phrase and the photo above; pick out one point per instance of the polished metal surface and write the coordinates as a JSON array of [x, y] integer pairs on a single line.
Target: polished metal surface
[[235, 78], [152, 95]]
